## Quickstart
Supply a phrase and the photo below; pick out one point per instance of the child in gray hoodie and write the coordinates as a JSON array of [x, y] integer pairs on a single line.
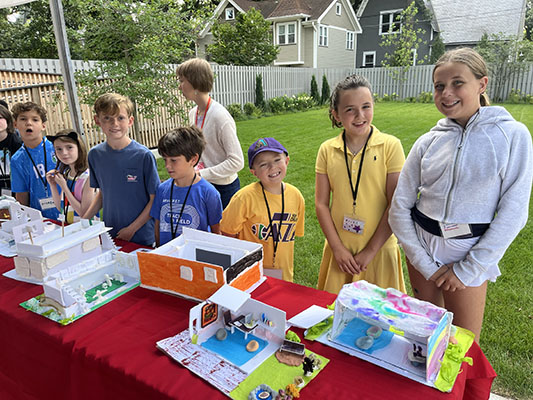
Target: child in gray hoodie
[[463, 194]]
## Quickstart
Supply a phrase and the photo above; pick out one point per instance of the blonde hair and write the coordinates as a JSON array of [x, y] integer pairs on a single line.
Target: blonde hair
[[198, 72], [110, 104], [473, 60]]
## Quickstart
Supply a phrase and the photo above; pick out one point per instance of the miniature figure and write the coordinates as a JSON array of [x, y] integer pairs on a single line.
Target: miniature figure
[[308, 366], [415, 357]]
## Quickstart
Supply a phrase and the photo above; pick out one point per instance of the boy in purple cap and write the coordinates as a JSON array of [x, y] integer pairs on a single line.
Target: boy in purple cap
[[270, 211]]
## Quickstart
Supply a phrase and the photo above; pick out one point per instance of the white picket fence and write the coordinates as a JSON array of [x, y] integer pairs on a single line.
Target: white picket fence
[[234, 84]]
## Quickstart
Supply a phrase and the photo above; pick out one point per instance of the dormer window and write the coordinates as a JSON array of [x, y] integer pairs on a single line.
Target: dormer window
[[230, 13]]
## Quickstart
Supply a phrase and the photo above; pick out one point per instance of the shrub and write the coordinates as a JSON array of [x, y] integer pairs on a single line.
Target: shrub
[[235, 110], [276, 105], [259, 95], [303, 101], [251, 110], [325, 90], [425, 97], [386, 97], [314, 90]]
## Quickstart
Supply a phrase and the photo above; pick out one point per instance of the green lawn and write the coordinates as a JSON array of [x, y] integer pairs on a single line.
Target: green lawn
[[508, 326]]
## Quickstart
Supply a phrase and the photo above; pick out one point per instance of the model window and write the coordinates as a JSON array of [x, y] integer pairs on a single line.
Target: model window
[[323, 36], [210, 275], [389, 22], [185, 272], [286, 33], [338, 8], [230, 13], [369, 59], [349, 40]]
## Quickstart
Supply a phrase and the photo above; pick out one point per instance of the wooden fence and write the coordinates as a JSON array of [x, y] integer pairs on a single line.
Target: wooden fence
[[36, 80]]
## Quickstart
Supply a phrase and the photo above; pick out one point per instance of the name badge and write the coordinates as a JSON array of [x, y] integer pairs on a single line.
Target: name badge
[[47, 203], [353, 224], [450, 231]]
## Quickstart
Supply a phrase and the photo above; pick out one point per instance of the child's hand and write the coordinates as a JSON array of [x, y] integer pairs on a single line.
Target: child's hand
[[126, 233], [443, 269], [60, 180], [51, 176], [346, 261], [449, 281], [363, 258]]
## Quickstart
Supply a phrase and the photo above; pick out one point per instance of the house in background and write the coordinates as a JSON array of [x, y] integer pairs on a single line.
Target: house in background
[[461, 25], [378, 19], [310, 33], [458, 23]]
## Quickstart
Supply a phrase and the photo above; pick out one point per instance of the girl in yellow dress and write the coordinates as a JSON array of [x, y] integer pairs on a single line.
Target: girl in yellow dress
[[356, 174]]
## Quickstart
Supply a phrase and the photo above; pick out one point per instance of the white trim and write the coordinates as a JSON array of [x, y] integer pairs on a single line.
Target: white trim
[[325, 41], [370, 53], [216, 14], [299, 42], [287, 17], [351, 14], [226, 14], [338, 8], [352, 33], [286, 25], [361, 9], [315, 44], [388, 12], [289, 63]]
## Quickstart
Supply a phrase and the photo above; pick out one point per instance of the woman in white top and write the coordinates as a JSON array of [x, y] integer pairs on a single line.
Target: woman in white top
[[222, 158]]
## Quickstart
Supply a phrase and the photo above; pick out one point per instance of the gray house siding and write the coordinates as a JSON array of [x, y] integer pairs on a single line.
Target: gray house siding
[[331, 18], [335, 54], [308, 36], [369, 39]]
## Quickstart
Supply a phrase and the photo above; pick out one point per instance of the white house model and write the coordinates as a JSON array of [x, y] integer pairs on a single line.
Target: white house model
[[12, 216], [53, 251], [231, 311], [76, 290]]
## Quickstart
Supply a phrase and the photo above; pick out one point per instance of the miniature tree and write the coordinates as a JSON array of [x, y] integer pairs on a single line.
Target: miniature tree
[[325, 90], [259, 96], [314, 90]]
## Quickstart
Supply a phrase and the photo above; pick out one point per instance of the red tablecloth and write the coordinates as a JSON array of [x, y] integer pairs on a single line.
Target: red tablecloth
[[111, 353]]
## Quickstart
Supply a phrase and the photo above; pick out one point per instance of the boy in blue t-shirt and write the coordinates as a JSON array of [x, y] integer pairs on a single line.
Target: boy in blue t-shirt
[[33, 160], [125, 171], [185, 199]]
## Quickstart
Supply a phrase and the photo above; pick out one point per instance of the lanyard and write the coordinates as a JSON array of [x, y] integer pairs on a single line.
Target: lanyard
[[43, 180], [172, 230], [3, 169], [275, 238], [352, 189], [65, 199], [205, 114]]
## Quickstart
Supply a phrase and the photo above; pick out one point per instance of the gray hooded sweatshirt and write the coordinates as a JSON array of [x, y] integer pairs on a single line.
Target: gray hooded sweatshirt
[[478, 174]]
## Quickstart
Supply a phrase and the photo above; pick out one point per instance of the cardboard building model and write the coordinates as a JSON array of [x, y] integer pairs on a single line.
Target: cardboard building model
[[230, 310], [81, 288], [196, 264], [53, 251], [13, 220], [391, 329]]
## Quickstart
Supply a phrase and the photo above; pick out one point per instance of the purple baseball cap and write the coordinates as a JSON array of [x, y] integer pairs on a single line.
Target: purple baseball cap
[[264, 144]]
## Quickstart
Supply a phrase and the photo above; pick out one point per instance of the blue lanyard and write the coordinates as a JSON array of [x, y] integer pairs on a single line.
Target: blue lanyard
[[43, 180]]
